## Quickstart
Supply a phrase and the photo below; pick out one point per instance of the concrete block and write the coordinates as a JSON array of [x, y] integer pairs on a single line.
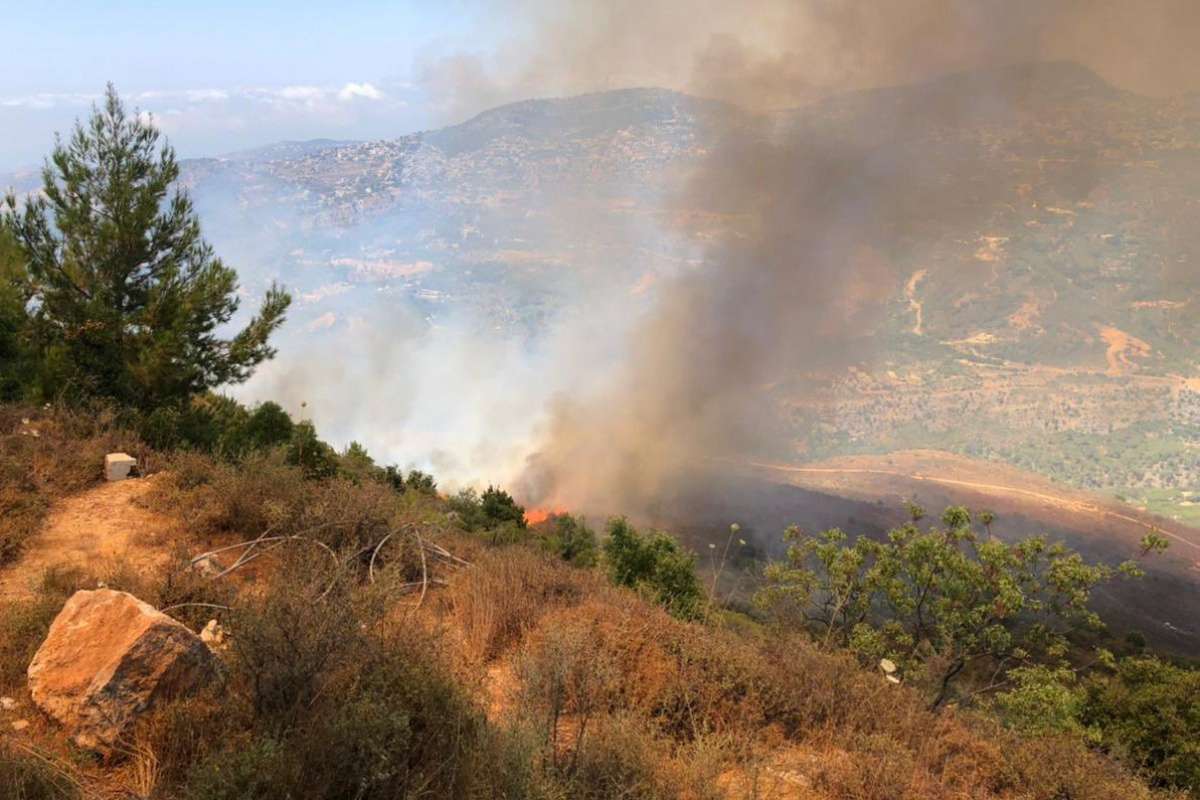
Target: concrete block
[[118, 465]]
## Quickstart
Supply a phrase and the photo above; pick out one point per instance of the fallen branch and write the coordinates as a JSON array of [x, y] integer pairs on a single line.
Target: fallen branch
[[424, 569], [442, 552]]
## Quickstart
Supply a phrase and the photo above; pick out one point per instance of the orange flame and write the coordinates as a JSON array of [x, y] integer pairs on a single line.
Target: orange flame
[[536, 516]]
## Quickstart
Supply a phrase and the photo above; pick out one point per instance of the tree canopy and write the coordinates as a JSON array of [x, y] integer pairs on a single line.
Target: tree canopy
[[941, 600], [125, 299]]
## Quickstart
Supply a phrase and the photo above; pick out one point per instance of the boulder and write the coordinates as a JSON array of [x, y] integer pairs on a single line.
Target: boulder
[[107, 658]]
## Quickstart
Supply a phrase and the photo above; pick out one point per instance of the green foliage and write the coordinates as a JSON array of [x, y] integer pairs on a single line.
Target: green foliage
[[941, 599], [494, 512], [216, 424], [1043, 700], [268, 426], [419, 481], [416, 481], [572, 540], [126, 296], [653, 562], [1148, 714], [356, 463], [307, 451], [15, 291], [499, 508]]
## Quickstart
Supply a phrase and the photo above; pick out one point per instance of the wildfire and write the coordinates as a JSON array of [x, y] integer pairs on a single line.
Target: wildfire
[[535, 516]]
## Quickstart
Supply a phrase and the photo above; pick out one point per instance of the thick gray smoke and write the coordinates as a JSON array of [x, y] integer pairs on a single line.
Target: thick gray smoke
[[798, 225], [806, 221]]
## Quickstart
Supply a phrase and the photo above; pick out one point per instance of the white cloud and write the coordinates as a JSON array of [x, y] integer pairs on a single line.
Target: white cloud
[[364, 90], [45, 100], [325, 321], [301, 92], [322, 292], [207, 95]]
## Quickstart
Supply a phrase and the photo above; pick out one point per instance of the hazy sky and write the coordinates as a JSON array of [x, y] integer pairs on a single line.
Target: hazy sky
[[222, 75], [226, 74]]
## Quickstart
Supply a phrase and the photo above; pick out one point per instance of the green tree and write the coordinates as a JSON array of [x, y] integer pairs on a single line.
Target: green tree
[[572, 540], [1148, 713], [940, 600], [653, 562], [14, 318], [127, 297], [307, 451], [499, 508], [269, 426], [356, 463]]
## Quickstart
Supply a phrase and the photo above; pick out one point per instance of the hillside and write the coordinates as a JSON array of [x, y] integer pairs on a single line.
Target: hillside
[[1162, 606], [448, 664], [1042, 315]]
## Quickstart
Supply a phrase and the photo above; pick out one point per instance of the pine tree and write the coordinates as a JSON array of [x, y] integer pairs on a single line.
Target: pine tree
[[127, 298], [14, 319]]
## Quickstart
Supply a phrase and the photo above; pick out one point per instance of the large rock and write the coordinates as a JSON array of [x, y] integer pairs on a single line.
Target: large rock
[[109, 657]]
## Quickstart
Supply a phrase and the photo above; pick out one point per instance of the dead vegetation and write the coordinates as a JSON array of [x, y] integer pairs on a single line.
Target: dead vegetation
[[45, 456], [519, 676]]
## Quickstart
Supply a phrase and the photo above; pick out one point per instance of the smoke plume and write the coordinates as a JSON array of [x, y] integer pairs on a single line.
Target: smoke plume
[[798, 224], [805, 222]]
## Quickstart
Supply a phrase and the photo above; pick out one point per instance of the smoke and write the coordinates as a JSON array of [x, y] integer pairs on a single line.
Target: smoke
[[800, 225], [811, 221], [781, 53]]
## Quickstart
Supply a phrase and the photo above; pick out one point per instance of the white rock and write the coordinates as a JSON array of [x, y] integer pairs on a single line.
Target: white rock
[[207, 565], [213, 634], [887, 665], [118, 465], [7, 703], [20, 725]]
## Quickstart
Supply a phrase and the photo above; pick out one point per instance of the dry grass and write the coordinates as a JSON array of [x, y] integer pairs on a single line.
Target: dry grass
[[46, 454], [507, 591], [613, 660], [611, 696]]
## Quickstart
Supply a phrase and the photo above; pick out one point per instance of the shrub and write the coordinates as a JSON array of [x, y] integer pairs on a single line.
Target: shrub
[[653, 562], [289, 642], [420, 481], [417, 481], [316, 458], [27, 777], [939, 600], [1042, 700], [572, 540], [1148, 714], [268, 426], [340, 703], [506, 593], [623, 758]]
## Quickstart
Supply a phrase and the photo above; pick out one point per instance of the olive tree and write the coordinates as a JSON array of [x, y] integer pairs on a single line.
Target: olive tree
[[939, 600]]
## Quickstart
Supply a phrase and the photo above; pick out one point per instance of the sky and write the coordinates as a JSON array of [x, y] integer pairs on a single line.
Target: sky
[[225, 75], [222, 75]]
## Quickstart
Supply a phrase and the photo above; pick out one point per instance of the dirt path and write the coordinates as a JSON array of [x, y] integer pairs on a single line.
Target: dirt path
[[99, 530]]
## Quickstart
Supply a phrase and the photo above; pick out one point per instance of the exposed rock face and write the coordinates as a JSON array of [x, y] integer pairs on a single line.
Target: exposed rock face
[[107, 658]]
